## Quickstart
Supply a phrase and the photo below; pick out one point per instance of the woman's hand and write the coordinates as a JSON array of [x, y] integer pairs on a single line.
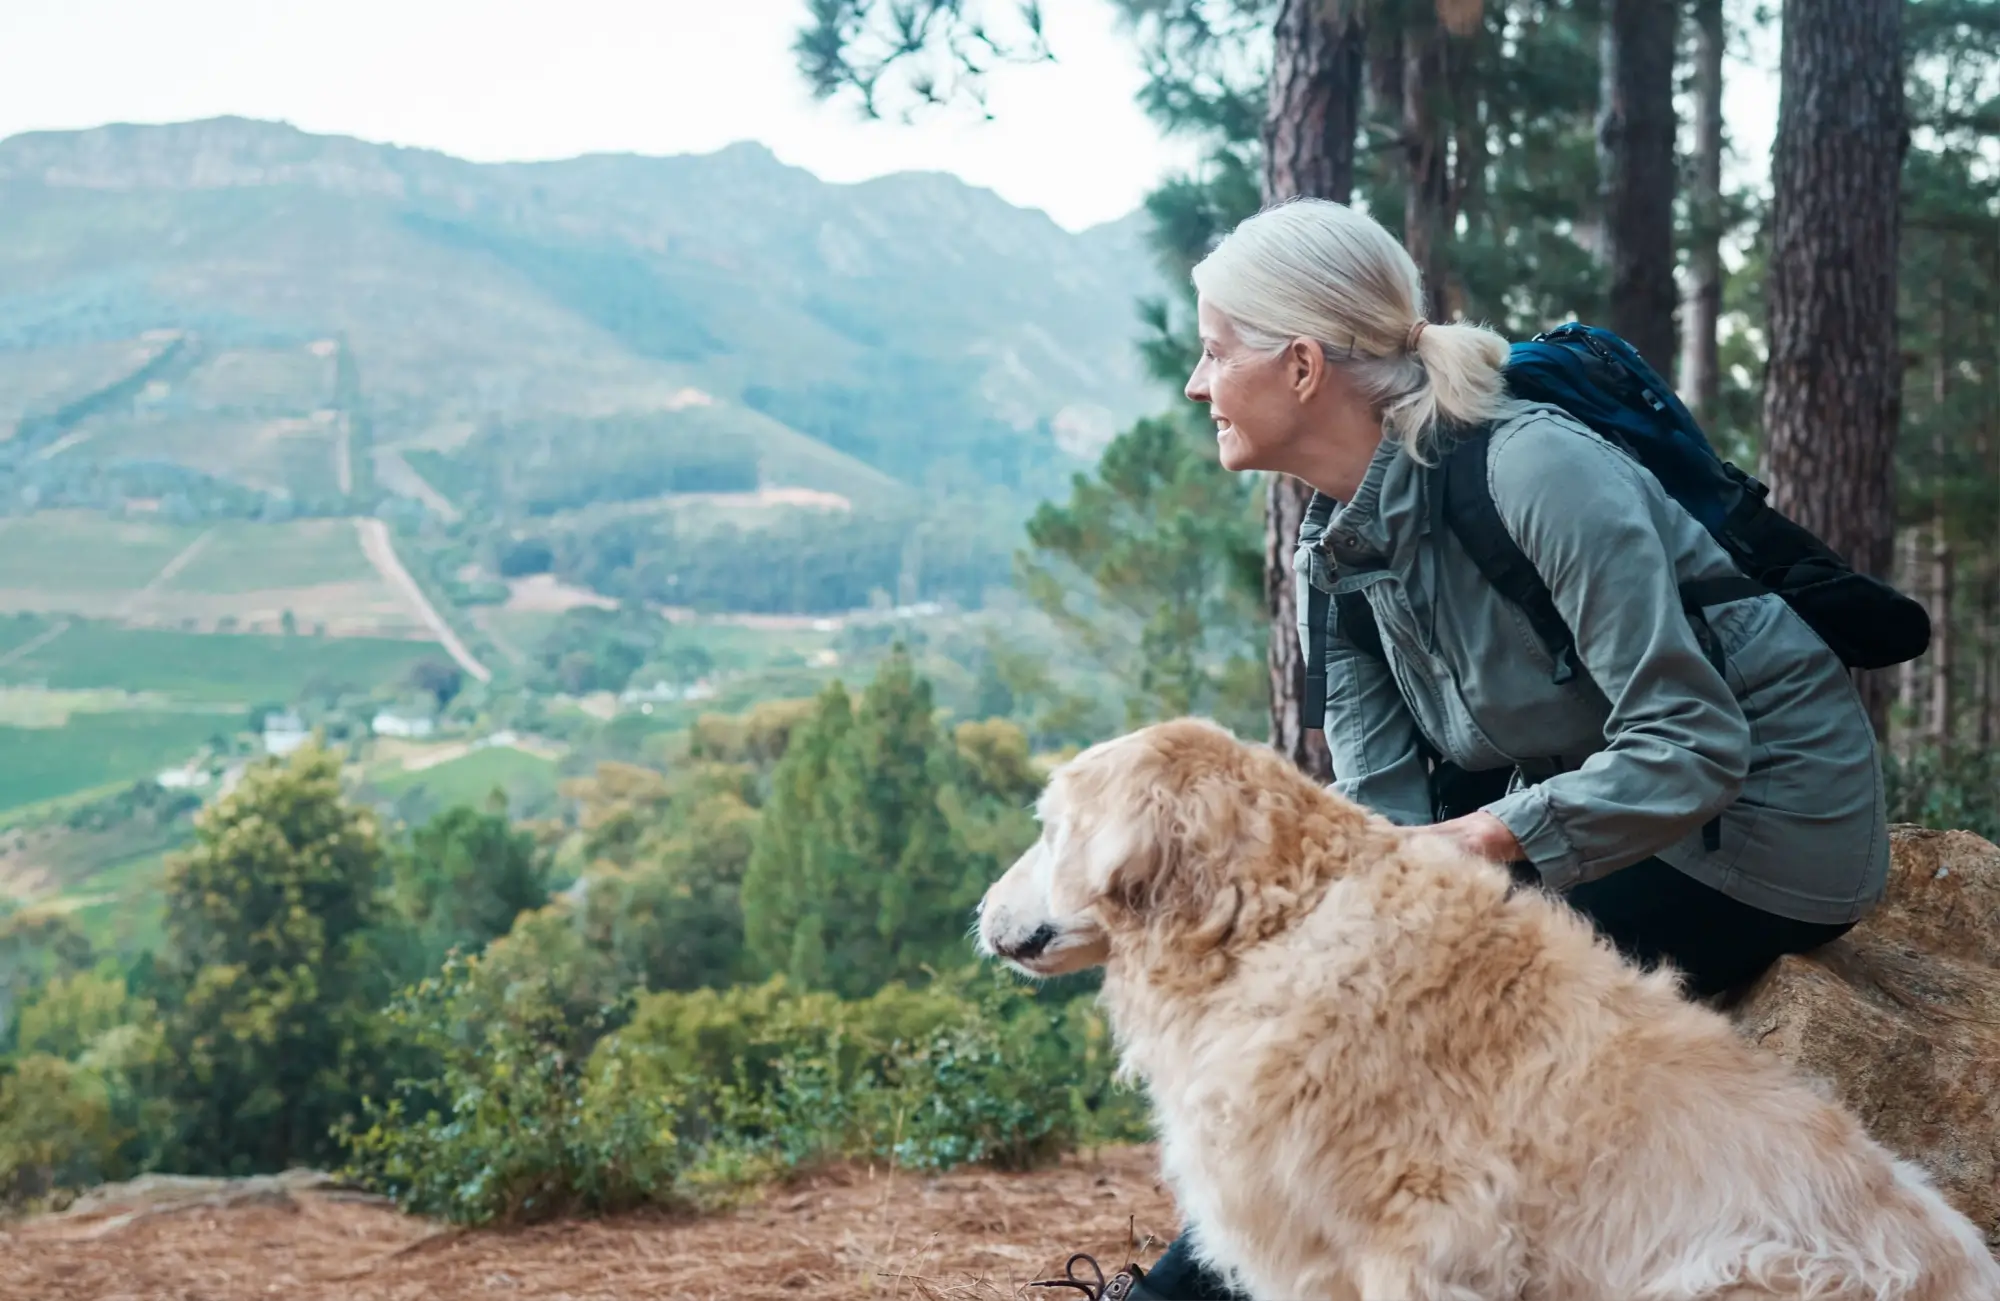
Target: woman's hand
[[1483, 834]]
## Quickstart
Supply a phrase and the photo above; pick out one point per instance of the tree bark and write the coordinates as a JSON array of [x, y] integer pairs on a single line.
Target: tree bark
[[1426, 181], [1908, 543], [1943, 642], [1832, 388], [1311, 116], [1700, 379], [1635, 150]]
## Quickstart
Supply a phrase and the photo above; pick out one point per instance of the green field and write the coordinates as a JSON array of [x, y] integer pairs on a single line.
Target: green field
[[95, 750], [263, 379], [238, 668], [245, 557], [42, 380], [61, 551], [529, 782]]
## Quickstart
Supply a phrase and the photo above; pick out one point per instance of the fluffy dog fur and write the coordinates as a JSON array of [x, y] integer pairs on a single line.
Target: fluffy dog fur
[[1378, 1076]]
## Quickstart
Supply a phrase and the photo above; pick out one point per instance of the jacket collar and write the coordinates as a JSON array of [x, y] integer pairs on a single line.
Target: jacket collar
[[1387, 510]]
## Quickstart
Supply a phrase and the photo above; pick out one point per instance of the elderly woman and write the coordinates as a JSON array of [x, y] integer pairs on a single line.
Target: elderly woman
[[1316, 362]]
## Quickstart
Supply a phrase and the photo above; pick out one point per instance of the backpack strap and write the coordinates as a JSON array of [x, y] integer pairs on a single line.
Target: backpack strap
[[1466, 501], [1312, 704]]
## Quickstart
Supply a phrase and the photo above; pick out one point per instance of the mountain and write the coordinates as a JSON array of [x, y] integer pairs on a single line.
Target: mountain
[[239, 317]]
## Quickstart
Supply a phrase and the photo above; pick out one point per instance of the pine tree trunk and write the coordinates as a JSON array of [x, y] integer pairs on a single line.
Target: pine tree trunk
[[1831, 391], [1311, 118], [1700, 378], [1426, 183], [1908, 543], [1943, 644], [1989, 581], [1635, 148]]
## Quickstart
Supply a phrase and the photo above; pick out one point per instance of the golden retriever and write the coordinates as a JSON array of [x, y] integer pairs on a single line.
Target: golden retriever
[[1381, 1073]]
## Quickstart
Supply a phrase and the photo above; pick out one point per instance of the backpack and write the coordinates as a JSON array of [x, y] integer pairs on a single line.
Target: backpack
[[1599, 379]]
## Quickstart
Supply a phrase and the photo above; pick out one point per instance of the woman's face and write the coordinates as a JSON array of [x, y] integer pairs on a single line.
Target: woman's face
[[1259, 400]]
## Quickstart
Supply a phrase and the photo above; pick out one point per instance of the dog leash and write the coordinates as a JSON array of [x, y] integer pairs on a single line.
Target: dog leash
[[1116, 1289]]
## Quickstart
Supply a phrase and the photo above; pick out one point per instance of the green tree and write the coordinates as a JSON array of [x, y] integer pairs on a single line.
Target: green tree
[[671, 918], [463, 879], [789, 884], [1154, 565], [853, 878], [271, 981]]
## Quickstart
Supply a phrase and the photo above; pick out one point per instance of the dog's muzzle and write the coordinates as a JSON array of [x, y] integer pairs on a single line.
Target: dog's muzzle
[[1031, 948]]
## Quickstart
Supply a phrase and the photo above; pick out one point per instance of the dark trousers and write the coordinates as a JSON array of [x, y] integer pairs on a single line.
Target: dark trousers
[[1654, 913]]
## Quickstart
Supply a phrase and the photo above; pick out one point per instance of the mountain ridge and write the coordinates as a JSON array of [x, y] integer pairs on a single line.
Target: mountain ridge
[[901, 318]]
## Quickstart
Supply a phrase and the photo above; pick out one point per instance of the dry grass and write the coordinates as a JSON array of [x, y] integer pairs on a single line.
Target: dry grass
[[849, 1233]]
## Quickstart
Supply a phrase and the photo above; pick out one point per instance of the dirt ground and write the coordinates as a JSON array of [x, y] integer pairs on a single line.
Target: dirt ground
[[971, 1235]]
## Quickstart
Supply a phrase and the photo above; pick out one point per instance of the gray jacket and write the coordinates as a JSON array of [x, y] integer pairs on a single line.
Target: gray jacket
[[1632, 756]]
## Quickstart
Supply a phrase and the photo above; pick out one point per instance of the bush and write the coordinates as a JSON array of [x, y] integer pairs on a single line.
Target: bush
[[685, 1099], [509, 1129], [57, 1132]]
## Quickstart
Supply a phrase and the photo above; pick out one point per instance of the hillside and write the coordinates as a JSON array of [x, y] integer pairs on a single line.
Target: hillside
[[282, 308], [848, 1234], [285, 417]]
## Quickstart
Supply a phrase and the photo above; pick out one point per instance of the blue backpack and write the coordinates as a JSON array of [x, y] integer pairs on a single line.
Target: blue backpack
[[1603, 382]]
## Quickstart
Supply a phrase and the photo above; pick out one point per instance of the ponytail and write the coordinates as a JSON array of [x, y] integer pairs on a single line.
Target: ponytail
[[1310, 268]]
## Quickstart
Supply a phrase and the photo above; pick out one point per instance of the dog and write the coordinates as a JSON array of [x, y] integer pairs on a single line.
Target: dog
[[1380, 1070]]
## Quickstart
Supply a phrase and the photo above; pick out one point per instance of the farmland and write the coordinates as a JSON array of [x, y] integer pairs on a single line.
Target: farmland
[[96, 749], [243, 668], [231, 574]]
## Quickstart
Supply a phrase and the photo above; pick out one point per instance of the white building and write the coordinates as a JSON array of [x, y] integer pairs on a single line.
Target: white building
[[389, 723], [284, 733]]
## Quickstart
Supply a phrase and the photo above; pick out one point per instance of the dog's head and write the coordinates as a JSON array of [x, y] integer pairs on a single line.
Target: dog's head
[[1178, 831]]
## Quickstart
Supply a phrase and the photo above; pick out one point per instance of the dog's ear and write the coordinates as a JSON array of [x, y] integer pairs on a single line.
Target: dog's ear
[[1165, 857]]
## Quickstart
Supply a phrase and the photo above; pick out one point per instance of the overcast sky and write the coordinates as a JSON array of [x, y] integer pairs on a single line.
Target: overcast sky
[[500, 80]]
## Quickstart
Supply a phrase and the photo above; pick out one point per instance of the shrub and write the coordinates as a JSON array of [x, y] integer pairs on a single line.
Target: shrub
[[684, 1099], [508, 1127], [57, 1132]]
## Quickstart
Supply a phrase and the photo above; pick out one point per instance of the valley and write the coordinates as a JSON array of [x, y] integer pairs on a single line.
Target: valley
[[486, 473]]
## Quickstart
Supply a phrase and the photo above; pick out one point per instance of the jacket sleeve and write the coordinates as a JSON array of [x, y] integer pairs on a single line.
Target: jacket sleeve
[[1370, 735], [1677, 743]]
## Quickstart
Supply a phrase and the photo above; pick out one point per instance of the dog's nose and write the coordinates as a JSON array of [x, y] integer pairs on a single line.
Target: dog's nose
[[1031, 948]]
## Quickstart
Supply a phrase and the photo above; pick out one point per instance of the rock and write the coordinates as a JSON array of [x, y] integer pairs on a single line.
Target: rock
[[1901, 1016]]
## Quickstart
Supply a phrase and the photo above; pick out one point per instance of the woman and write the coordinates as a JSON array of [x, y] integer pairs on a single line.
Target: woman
[[1316, 362]]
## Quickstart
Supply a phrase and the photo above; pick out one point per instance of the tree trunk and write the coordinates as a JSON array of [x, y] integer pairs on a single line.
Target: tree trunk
[[1831, 392], [1310, 121], [1908, 543], [1942, 642], [1989, 581], [1635, 150], [1426, 182], [1700, 380]]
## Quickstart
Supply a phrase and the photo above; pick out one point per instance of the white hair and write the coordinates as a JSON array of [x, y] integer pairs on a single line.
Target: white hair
[[1310, 268]]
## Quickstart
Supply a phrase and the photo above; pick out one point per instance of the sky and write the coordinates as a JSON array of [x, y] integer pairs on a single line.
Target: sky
[[511, 80]]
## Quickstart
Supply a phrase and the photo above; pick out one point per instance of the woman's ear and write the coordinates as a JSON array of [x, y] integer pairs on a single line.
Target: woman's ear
[[1305, 368]]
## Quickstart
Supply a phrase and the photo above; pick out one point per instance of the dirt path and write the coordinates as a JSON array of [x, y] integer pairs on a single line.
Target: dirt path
[[396, 474], [381, 552], [35, 643], [971, 1235]]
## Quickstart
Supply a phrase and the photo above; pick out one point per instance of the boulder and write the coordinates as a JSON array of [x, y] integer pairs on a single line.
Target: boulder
[[1901, 1016]]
